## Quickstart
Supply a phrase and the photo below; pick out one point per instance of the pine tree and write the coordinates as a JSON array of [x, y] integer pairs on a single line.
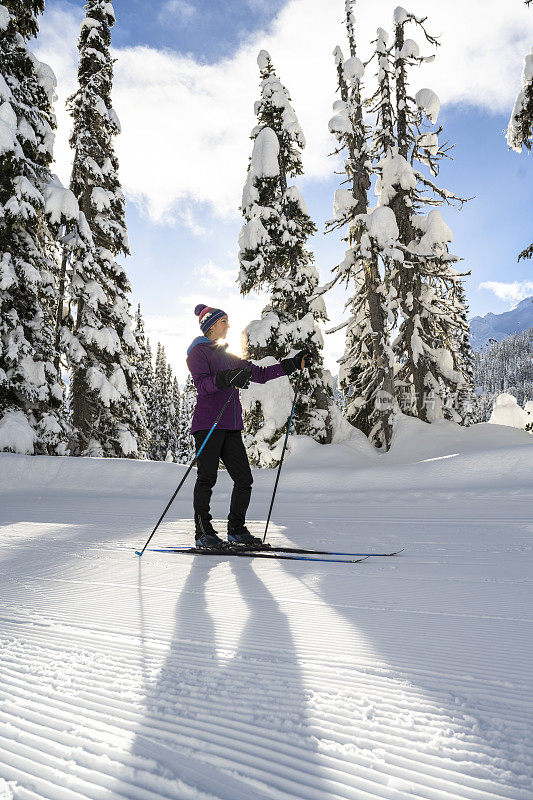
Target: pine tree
[[176, 418], [426, 346], [157, 424], [462, 404], [163, 422], [35, 211], [186, 449], [107, 401], [173, 415], [144, 368], [520, 128], [273, 256], [367, 369]]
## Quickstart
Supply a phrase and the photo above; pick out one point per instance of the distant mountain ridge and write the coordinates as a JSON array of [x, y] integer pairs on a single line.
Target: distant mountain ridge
[[498, 326]]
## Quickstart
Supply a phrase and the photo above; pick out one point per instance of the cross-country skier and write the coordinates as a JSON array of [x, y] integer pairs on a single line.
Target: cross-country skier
[[215, 372]]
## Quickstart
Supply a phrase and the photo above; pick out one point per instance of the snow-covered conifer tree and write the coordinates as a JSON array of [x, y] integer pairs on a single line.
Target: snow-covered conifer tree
[[173, 415], [34, 212], [164, 439], [520, 128], [426, 347], [107, 401], [157, 415], [366, 375], [273, 256], [143, 360], [176, 411], [186, 449]]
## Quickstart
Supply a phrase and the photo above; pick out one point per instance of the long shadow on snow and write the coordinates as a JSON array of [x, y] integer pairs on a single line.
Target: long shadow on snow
[[227, 706], [446, 709]]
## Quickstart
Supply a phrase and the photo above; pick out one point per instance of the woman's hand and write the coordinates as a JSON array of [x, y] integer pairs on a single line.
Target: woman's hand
[[299, 361], [226, 378]]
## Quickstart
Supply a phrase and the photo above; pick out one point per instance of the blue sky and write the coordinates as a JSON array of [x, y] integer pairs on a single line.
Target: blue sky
[[186, 81]]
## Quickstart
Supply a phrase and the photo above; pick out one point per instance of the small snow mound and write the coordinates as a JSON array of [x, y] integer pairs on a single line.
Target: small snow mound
[[353, 69], [60, 203], [343, 203], [265, 154], [429, 103], [506, 411], [128, 442], [263, 59], [4, 22], [382, 225], [400, 15], [16, 434], [410, 49]]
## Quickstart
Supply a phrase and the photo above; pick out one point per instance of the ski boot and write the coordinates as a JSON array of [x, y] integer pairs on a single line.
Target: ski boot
[[206, 536], [241, 536]]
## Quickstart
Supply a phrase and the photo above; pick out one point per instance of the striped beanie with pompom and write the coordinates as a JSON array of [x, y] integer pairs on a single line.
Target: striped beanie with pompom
[[207, 316]]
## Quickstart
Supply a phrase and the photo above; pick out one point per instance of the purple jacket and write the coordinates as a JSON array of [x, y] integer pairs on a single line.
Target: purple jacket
[[204, 359]]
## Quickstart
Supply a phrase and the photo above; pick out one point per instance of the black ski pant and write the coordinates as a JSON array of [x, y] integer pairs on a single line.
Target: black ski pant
[[228, 447]]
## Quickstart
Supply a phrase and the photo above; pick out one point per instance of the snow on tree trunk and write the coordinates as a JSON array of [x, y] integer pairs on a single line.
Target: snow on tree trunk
[[34, 213], [273, 256], [107, 402], [433, 367], [366, 375]]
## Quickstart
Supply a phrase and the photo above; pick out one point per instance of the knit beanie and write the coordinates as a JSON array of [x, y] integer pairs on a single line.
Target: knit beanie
[[207, 316]]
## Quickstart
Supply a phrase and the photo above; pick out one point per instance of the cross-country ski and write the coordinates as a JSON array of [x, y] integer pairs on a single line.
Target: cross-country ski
[[270, 548], [266, 400], [274, 556]]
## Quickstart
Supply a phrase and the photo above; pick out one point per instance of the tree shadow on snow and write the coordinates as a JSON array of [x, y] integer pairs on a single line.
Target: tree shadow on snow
[[423, 674]]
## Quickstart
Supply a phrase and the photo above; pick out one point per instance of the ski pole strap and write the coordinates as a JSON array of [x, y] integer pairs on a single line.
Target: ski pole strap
[[191, 465], [296, 395]]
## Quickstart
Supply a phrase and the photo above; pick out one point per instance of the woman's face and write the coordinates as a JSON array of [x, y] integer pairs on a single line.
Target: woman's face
[[220, 329]]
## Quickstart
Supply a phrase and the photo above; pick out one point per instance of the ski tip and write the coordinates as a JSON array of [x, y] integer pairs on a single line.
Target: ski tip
[[137, 553]]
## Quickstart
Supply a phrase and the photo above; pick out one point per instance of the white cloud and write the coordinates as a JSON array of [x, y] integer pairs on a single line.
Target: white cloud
[[186, 123], [218, 278], [181, 9], [511, 292]]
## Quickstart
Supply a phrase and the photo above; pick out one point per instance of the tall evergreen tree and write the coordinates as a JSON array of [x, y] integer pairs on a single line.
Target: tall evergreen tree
[[163, 419], [367, 368], [186, 449], [426, 346], [173, 415], [34, 213], [157, 411], [176, 418], [273, 255], [520, 128], [107, 401]]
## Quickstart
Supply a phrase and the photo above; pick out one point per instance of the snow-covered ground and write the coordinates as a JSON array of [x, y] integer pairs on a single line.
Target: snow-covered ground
[[191, 677]]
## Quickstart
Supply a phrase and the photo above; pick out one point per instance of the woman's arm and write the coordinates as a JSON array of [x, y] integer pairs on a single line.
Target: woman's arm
[[259, 374], [199, 369]]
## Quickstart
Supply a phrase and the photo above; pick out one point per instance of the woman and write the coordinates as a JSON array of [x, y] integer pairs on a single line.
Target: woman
[[215, 373]]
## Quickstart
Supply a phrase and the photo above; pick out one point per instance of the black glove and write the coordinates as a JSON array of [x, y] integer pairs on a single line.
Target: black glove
[[290, 365], [226, 378]]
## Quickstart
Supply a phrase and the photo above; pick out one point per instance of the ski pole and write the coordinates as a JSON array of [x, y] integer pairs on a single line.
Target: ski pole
[[191, 465], [296, 394]]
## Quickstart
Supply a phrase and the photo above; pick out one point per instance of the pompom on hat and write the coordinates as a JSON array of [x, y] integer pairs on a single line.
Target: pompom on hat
[[207, 316]]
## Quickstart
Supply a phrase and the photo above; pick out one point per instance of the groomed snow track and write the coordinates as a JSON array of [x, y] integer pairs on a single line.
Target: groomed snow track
[[239, 680]]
